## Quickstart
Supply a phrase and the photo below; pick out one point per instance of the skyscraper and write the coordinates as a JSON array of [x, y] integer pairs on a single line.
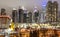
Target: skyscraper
[[55, 11], [49, 12], [3, 11], [36, 16], [30, 17], [25, 17], [14, 15], [20, 11]]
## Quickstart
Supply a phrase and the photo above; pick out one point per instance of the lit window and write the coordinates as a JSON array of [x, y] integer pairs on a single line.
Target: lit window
[[55, 9]]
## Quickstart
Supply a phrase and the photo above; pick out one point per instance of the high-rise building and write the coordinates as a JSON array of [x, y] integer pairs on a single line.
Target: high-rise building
[[24, 17], [49, 12], [55, 11], [27, 17], [58, 16], [3, 11], [30, 17], [20, 11], [36, 16], [14, 15]]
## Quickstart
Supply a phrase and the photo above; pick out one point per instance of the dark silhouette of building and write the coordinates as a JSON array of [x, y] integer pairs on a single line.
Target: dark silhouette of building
[[25, 17], [20, 11], [36, 16], [3, 11], [30, 17], [14, 16]]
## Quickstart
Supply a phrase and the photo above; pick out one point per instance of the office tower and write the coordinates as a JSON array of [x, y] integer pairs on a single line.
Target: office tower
[[30, 17], [49, 12], [14, 15], [3, 11], [52, 11], [36, 16], [55, 11], [20, 11], [58, 16], [42, 17], [43, 12], [25, 17]]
